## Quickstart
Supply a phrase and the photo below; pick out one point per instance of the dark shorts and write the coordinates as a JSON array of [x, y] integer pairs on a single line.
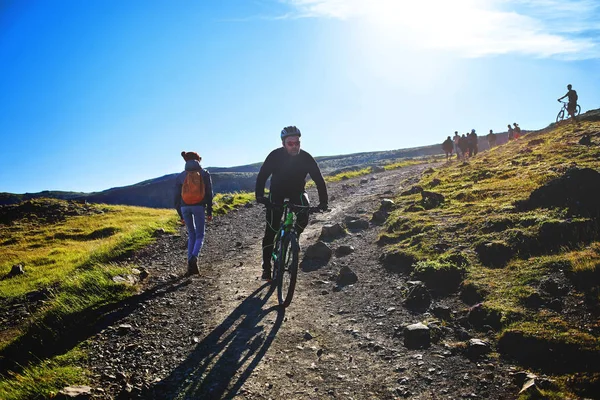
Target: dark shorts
[[571, 108]]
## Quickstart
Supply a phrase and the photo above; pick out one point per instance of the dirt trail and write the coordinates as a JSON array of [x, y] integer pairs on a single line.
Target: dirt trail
[[222, 335]]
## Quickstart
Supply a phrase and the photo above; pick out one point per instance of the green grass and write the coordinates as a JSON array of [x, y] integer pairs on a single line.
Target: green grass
[[44, 380], [481, 197], [223, 203], [51, 252], [71, 260]]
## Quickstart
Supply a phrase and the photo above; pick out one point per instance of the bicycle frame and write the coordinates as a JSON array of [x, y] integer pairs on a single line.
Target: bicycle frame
[[288, 221], [564, 112], [286, 251]]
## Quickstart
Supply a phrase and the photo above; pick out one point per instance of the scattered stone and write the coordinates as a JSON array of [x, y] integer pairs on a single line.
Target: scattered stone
[[387, 204], [308, 336], [477, 348], [418, 298], [319, 251], [586, 140], [124, 329], [75, 392], [332, 232], [143, 273], [412, 190], [379, 217], [357, 224], [417, 336], [16, 270], [435, 182], [346, 276], [431, 199], [531, 390], [442, 312], [159, 232], [344, 250]]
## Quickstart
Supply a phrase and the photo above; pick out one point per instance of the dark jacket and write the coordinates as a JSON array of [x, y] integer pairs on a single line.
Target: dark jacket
[[193, 165], [288, 175], [448, 145]]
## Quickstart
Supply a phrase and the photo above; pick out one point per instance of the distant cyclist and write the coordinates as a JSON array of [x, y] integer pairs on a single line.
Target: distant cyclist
[[288, 167], [572, 105]]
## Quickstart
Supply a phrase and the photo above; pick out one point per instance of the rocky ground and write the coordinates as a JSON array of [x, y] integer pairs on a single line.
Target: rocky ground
[[221, 334]]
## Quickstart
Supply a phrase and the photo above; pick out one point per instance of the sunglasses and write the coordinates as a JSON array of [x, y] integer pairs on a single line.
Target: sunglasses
[[292, 144]]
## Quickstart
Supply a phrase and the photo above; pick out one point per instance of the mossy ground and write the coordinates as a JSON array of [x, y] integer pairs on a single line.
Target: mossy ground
[[480, 209], [69, 260]]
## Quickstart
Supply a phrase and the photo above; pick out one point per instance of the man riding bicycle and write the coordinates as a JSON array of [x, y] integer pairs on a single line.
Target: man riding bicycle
[[572, 105], [287, 166]]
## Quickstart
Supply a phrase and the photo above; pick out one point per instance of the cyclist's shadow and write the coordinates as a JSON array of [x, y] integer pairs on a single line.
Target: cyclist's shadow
[[215, 369]]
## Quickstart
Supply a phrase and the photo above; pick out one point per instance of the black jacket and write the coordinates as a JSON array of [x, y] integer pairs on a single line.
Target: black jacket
[[288, 174]]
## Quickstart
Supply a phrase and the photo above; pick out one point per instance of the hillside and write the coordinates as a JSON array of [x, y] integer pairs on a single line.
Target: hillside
[[480, 279], [157, 192]]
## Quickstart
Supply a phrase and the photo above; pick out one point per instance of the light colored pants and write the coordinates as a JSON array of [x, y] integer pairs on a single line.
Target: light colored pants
[[194, 221]]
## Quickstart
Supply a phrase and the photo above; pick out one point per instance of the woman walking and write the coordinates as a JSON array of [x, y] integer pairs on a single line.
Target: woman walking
[[193, 200]]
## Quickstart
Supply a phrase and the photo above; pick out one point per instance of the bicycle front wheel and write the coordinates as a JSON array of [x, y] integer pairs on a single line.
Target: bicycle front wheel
[[288, 269], [560, 116]]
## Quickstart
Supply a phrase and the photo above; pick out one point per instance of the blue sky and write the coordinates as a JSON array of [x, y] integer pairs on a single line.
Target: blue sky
[[98, 94]]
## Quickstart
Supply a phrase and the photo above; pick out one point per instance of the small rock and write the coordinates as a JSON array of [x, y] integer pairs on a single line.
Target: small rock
[[477, 347], [75, 392], [124, 329], [344, 250], [346, 276], [331, 232], [16, 270], [417, 336]]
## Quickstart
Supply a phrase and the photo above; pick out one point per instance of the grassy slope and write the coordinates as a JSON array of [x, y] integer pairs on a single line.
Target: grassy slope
[[480, 208], [72, 264]]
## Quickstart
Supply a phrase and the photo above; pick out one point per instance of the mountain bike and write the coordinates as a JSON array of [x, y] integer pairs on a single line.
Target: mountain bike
[[286, 251], [564, 113]]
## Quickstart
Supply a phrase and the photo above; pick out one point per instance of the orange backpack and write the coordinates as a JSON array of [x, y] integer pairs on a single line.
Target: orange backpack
[[192, 191]]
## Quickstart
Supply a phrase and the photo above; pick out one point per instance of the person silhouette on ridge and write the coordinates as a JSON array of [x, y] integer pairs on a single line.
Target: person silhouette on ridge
[[572, 104], [448, 146]]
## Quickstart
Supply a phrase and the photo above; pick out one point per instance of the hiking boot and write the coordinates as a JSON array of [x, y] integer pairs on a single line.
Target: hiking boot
[[266, 274], [193, 266]]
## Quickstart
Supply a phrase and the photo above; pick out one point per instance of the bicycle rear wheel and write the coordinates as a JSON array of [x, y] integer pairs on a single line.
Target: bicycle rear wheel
[[560, 116], [287, 269], [577, 110]]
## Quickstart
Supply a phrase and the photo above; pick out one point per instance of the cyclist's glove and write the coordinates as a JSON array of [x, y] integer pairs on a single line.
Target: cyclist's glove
[[263, 200], [323, 206]]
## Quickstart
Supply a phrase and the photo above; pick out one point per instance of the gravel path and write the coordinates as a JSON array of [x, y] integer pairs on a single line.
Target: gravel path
[[221, 335]]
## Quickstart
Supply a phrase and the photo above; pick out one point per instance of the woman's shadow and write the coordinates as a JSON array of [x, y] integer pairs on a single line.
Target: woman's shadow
[[215, 369]]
